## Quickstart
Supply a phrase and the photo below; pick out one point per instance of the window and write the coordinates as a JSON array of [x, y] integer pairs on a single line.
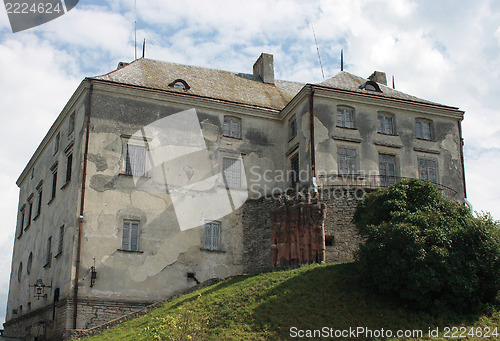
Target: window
[[387, 169], [424, 129], [231, 172], [71, 123], [48, 258], [54, 182], [30, 210], [39, 200], [57, 142], [20, 272], [295, 166], [69, 166], [345, 117], [211, 236], [232, 127], [130, 239], [427, 170], [348, 161], [61, 240], [180, 84], [30, 263], [292, 124], [21, 222], [135, 160], [385, 124]]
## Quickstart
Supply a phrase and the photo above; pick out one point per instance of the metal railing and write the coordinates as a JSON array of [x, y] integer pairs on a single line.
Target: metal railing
[[364, 181]]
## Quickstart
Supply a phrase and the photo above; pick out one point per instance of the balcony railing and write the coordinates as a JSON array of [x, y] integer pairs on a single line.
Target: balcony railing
[[364, 181]]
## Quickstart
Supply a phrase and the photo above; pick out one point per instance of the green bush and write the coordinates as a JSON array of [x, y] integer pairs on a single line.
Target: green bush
[[430, 252]]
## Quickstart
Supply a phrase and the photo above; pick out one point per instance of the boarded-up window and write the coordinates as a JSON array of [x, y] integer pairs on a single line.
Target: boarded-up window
[[348, 160], [130, 239], [135, 160], [231, 172], [211, 239], [232, 127]]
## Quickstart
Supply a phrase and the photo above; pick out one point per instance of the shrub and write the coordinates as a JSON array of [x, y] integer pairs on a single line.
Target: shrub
[[430, 252]]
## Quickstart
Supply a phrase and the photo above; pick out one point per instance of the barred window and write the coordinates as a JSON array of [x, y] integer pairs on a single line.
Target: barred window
[[212, 236], [231, 172], [232, 127], [135, 160], [348, 160], [130, 239], [345, 117]]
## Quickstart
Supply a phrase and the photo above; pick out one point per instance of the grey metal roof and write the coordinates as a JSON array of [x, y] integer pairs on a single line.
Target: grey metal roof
[[212, 83], [347, 81]]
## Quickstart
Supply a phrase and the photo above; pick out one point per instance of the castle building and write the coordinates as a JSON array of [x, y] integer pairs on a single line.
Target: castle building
[[157, 176]]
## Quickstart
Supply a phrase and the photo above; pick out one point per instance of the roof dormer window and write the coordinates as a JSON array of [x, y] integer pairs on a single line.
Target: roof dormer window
[[180, 84], [370, 86]]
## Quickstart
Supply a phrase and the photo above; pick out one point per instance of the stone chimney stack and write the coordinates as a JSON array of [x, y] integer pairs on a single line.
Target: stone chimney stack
[[264, 68], [379, 77]]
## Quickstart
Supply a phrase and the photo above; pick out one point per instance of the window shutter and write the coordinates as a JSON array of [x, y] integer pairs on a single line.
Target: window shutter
[[207, 237], [380, 126], [226, 127], [215, 236]]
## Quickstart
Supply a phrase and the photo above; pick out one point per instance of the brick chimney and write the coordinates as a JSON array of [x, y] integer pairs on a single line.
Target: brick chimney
[[379, 77], [264, 68]]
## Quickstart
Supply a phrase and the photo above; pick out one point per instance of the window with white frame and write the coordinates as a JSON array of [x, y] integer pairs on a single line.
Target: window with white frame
[[130, 238], [423, 129], [232, 127], [231, 172], [347, 161], [427, 170], [135, 159], [385, 124], [345, 117], [212, 236]]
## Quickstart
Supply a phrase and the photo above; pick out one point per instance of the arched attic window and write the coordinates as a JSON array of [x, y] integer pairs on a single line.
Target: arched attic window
[[180, 84], [370, 86]]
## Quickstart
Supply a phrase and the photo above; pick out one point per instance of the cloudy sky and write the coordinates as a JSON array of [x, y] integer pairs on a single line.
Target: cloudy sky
[[445, 51]]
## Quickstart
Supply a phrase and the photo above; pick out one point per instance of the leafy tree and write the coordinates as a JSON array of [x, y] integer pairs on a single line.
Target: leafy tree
[[430, 252]]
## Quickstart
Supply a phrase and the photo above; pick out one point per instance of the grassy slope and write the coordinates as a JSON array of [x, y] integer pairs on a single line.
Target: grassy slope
[[266, 305]]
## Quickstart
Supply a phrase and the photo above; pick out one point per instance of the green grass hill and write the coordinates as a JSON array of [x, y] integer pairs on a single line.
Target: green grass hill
[[281, 304]]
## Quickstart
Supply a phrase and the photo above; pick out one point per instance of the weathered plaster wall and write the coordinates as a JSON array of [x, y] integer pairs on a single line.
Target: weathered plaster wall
[[60, 211]]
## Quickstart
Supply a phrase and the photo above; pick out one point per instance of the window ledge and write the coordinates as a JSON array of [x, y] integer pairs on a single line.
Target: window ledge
[[421, 139], [386, 134], [20, 235], [47, 265], [27, 227], [210, 250], [349, 128], [58, 255], [232, 137], [291, 138], [36, 217], [50, 202], [130, 251], [66, 184]]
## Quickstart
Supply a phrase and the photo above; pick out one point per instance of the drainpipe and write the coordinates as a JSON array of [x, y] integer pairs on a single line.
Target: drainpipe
[[311, 133], [462, 155], [82, 207]]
